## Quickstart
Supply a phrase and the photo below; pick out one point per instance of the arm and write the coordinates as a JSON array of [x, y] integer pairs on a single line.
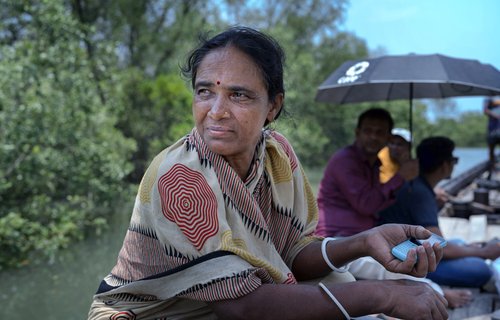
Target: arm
[[377, 243], [487, 110], [402, 299], [409, 169], [490, 250]]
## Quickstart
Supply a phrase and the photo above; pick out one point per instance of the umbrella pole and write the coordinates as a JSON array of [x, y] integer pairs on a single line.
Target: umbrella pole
[[411, 115], [410, 188]]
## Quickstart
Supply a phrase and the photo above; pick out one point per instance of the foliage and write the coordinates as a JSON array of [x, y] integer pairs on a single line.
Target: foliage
[[473, 136], [157, 112], [62, 159]]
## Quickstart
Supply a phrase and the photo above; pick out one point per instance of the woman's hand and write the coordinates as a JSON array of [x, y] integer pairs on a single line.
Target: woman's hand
[[380, 241], [408, 299]]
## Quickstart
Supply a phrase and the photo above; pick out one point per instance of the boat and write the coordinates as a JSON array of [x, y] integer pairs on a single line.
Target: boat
[[473, 214]]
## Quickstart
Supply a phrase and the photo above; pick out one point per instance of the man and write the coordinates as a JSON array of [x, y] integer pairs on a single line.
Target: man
[[396, 152], [462, 265], [350, 193], [491, 108]]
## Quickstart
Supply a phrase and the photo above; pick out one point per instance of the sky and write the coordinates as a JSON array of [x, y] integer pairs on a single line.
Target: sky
[[458, 28]]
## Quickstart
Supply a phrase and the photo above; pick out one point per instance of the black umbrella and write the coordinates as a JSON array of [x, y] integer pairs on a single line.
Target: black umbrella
[[408, 77]]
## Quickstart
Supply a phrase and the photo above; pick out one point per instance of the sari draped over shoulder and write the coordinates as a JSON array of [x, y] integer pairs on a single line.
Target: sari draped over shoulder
[[199, 233]]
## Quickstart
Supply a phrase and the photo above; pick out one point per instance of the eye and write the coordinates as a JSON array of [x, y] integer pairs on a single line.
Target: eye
[[240, 96], [203, 92]]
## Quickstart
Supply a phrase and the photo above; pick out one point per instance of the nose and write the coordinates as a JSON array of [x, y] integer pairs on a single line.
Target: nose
[[218, 109]]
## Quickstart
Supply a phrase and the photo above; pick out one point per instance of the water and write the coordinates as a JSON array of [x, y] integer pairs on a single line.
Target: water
[[64, 289], [468, 158]]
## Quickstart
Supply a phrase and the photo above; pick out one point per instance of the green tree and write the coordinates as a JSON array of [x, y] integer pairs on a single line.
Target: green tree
[[473, 136], [62, 159], [157, 113]]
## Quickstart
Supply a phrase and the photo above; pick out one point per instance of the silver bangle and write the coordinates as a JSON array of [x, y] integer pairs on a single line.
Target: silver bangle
[[339, 305], [327, 260]]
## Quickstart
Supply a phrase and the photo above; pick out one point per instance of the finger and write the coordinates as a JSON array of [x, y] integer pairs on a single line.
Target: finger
[[406, 266], [438, 251], [422, 266], [431, 257], [440, 311], [418, 232]]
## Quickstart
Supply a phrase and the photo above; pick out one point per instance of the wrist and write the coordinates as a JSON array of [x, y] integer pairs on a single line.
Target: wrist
[[326, 256], [362, 244]]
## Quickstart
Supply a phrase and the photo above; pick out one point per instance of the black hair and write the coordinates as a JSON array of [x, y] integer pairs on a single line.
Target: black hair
[[432, 152], [261, 48], [376, 113]]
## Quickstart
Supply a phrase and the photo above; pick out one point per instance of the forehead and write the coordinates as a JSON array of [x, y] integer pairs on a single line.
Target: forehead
[[229, 63], [398, 140], [374, 123]]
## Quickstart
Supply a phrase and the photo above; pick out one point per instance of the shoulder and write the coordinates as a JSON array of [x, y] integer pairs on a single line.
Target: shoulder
[[416, 193], [272, 135], [279, 140], [345, 152]]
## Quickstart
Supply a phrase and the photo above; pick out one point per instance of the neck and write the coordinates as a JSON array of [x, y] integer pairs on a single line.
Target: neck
[[432, 178]]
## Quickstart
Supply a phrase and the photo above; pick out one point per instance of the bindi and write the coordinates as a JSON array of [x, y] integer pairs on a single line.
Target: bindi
[[218, 82]]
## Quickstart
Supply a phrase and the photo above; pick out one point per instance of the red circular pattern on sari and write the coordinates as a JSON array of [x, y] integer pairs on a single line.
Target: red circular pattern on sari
[[188, 200], [123, 315]]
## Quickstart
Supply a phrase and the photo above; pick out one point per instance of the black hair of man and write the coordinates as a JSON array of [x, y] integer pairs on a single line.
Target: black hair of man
[[432, 152], [264, 50], [378, 114]]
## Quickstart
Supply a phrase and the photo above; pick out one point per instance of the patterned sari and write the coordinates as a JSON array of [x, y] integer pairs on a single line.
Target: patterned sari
[[198, 233]]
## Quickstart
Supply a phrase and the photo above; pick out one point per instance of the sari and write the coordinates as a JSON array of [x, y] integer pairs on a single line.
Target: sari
[[199, 233]]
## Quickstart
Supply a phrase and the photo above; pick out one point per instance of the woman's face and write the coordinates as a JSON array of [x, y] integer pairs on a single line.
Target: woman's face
[[231, 104]]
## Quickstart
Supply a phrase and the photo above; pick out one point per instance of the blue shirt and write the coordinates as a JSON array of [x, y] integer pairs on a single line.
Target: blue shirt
[[415, 204]]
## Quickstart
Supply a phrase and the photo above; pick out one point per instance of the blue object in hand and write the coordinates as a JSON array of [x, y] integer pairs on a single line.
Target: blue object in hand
[[401, 250]]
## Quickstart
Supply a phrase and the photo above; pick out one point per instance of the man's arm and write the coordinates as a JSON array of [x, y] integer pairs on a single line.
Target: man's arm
[[489, 250]]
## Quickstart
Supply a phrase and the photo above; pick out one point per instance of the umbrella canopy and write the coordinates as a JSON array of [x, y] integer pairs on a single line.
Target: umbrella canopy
[[409, 77], [390, 78]]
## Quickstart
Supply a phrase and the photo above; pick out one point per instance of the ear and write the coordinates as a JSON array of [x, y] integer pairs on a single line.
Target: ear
[[276, 106]]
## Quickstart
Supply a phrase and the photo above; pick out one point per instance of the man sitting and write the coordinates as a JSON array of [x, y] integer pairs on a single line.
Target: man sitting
[[350, 194], [394, 154], [462, 265]]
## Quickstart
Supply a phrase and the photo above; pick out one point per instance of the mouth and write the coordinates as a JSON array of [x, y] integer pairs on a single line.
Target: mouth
[[218, 131]]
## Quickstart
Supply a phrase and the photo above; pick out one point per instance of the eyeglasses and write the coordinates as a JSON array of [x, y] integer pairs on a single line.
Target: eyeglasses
[[454, 160]]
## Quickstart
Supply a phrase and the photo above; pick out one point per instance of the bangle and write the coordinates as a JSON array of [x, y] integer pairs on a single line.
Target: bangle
[[327, 260], [330, 294]]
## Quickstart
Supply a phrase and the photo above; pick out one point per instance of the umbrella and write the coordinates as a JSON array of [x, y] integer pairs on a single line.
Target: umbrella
[[409, 77]]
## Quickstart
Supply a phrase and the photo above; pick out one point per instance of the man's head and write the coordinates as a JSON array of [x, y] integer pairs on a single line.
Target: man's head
[[399, 144], [436, 153], [373, 130]]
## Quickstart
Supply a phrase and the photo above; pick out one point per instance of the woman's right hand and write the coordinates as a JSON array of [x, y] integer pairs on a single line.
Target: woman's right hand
[[406, 299], [380, 240]]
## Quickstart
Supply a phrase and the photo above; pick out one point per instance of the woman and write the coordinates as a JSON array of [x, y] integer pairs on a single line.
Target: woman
[[223, 221]]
